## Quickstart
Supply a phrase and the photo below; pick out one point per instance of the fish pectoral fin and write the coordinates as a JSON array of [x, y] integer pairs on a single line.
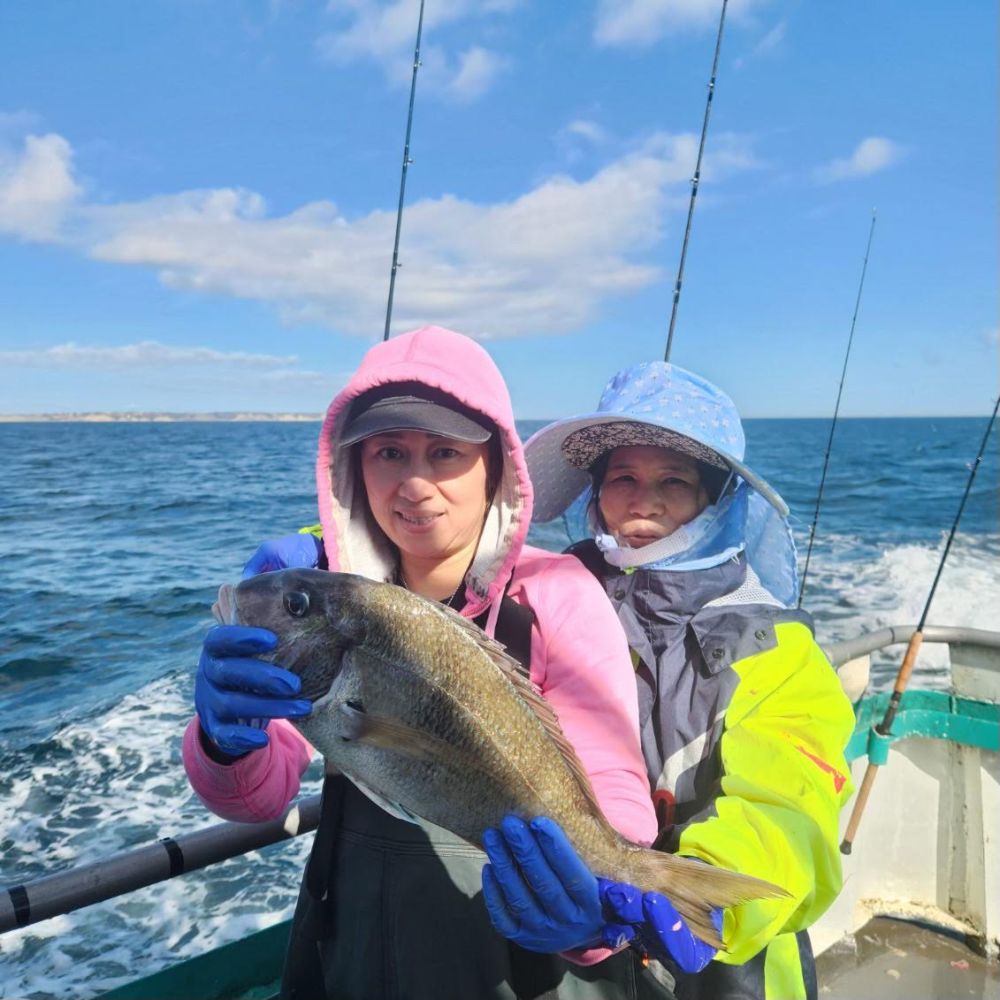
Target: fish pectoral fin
[[390, 734], [352, 722]]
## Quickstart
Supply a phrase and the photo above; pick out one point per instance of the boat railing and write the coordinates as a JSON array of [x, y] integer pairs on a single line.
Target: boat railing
[[65, 891], [82, 885], [840, 653]]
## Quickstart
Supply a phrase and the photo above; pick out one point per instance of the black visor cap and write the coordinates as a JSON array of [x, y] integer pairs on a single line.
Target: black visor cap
[[379, 412]]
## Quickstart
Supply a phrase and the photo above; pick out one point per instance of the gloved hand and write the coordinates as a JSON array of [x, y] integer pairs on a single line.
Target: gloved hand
[[540, 895], [538, 892], [236, 696], [650, 919], [301, 551]]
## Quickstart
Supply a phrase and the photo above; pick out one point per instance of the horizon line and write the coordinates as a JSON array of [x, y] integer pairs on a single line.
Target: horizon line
[[263, 416]]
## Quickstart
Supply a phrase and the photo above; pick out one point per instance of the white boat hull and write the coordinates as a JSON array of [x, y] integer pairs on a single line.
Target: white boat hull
[[927, 845]]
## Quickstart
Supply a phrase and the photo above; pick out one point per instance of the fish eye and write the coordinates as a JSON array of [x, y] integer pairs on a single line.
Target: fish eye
[[296, 603]]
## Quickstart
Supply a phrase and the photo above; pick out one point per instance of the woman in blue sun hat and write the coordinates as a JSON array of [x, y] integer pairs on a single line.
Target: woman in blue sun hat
[[743, 721]]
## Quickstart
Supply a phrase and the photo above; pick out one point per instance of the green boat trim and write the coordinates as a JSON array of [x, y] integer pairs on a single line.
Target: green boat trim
[[247, 969], [932, 715]]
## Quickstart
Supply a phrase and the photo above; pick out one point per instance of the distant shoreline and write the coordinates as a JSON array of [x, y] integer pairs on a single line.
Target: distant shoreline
[[154, 418], [249, 416]]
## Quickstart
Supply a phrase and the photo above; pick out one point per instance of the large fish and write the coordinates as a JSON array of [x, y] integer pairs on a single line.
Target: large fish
[[418, 704]]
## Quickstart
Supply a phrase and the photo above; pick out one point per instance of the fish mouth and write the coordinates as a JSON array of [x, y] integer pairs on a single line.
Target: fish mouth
[[224, 608]]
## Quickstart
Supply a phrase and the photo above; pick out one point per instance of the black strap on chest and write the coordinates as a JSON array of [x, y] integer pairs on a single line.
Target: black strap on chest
[[591, 556], [513, 629]]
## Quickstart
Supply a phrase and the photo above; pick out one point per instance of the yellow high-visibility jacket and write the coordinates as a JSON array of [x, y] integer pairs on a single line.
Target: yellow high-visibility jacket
[[744, 727]]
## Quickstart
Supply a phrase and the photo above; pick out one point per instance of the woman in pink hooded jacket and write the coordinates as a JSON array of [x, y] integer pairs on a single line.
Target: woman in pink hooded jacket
[[422, 481]]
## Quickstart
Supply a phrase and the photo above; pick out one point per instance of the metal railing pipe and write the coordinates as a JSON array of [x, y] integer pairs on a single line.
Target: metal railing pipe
[[840, 652], [63, 892]]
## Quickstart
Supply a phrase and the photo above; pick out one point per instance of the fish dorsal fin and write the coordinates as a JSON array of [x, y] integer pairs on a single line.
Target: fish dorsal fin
[[517, 675], [496, 651]]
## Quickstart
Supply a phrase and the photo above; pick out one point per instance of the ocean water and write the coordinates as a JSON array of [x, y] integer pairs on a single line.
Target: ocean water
[[114, 539]]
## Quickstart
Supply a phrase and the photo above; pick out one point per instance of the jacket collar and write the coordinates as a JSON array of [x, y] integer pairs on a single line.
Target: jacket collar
[[687, 593]]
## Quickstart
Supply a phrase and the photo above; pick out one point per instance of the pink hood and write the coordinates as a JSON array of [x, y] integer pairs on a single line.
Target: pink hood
[[456, 365]]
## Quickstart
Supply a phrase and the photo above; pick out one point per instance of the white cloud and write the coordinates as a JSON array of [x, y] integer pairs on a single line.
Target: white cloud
[[291, 378], [770, 42], [477, 70], [583, 129], [36, 187], [153, 377], [378, 31], [580, 139], [869, 157], [772, 39], [542, 262], [643, 22], [728, 153], [385, 34], [146, 354]]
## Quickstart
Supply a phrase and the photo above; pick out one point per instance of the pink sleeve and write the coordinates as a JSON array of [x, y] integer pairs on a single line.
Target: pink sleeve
[[258, 786], [581, 663]]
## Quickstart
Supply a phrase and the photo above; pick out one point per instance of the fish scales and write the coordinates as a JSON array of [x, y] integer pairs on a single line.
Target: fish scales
[[450, 681], [417, 704]]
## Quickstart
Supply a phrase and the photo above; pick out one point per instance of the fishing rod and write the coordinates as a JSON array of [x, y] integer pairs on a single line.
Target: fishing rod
[[903, 677], [836, 412], [694, 184], [402, 177]]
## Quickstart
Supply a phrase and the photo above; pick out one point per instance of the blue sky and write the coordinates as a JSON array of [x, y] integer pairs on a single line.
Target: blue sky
[[197, 200]]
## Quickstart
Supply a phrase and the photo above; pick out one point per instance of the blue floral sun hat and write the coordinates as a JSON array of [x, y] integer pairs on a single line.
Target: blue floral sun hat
[[652, 403], [669, 407]]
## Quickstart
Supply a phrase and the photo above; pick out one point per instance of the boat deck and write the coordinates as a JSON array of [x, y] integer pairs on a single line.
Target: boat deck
[[900, 960], [887, 959]]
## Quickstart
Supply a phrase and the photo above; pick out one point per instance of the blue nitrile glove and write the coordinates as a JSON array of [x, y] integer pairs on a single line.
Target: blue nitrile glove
[[236, 696], [301, 551], [651, 920], [537, 891]]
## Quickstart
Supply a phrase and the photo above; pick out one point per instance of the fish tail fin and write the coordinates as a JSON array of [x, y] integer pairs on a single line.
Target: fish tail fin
[[695, 889]]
